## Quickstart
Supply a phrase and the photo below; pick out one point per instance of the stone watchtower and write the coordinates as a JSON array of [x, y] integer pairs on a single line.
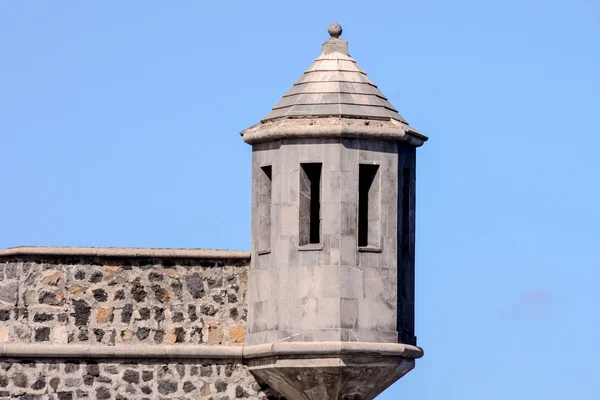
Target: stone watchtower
[[331, 283]]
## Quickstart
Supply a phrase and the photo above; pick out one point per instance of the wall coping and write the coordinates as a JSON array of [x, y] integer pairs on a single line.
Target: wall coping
[[288, 349], [240, 352], [123, 252], [332, 128]]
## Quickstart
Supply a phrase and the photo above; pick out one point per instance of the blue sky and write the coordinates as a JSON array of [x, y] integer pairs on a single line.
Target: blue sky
[[120, 121]]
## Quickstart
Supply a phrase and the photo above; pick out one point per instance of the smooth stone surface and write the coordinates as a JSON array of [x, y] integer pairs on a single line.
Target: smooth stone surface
[[333, 290]]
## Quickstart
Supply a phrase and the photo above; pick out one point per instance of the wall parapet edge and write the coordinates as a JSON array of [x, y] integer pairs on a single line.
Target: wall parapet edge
[[32, 251], [239, 352]]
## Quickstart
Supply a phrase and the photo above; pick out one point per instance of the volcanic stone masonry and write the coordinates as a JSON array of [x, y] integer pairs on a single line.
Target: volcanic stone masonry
[[98, 301], [112, 302], [126, 379]]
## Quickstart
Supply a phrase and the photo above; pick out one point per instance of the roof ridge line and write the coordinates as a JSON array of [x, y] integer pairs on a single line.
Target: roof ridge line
[[360, 94], [334, 70], [331, 104], [359, 83]]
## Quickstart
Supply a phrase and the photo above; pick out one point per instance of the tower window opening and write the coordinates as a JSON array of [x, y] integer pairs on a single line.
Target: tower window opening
[[405, 240], [368, 206], [264, 209], [310, 203]]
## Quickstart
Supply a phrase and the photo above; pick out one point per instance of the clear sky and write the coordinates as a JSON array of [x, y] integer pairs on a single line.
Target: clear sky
[[120, 121]]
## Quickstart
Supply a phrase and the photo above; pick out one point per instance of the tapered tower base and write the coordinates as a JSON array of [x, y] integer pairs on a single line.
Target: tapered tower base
[[332, 370]]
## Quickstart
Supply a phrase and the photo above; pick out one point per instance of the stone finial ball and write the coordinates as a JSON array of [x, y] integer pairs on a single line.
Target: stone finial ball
[[335, 30]]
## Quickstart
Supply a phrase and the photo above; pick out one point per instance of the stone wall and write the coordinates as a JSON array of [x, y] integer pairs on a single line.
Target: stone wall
[[59, 299], [111, 301], [121, 379]]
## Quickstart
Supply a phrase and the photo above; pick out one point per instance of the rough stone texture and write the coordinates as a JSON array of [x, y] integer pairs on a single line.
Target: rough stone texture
[[112, 301], [344, 377], [332, 128], [125, 379], [104, 301], [334, 290]]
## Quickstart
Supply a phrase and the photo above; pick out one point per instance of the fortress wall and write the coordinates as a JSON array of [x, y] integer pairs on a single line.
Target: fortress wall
[[126, 379], [133, 301]]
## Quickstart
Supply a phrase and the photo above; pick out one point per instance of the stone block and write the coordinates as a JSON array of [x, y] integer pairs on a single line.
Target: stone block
[[309, 258], [348, 219], [376, 284], [360, 335], [334, 250], [369, 156], [385, 312], [348, 250], [349, 186], [285, 318], [262, 261], [323, 256], [349, 313], [258, 321], [11, 270], [52, 279], [294, 254], [348, 156], [351, 282], [280, 252], [327, 282], [272, 315], [331, 221], [328, 313], [325, 335], [372, 259], [332, 156], [293, 187], [105, 315], [305, 282], [286, 283], [237, 334], [367, 318], [289, 157], [389, 188], [60, 335], [297, 309], [276, 188], [310, 312], [289, 220], [9, 293]]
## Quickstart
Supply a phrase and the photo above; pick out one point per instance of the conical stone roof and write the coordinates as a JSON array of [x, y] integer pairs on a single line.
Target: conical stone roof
[[334, 86]]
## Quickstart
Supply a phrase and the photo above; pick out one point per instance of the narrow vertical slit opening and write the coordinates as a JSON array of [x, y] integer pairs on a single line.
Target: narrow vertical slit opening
[[310, 203], [405, 248], [368, 205], [265, 197]]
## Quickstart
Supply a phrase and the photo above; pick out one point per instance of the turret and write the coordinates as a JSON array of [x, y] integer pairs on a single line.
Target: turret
[[333, 211]]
